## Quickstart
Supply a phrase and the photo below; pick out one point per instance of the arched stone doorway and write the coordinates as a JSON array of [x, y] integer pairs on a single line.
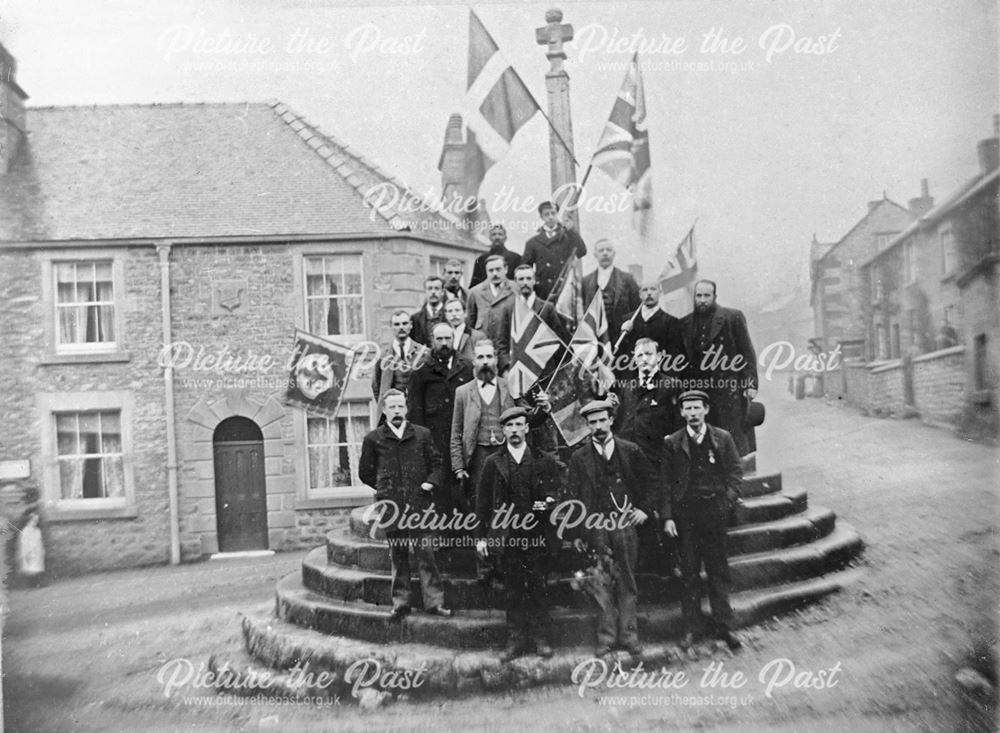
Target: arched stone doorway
[[240, 490]]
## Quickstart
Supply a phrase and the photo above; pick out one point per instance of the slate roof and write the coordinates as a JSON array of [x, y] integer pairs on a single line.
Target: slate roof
[[196, 171]]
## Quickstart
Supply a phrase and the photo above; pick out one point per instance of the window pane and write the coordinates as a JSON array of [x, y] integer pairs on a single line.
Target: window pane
[[89, 432], [111, 439], [66, 443], [352, 283], [114, 476], [353, 315], [71, 478]]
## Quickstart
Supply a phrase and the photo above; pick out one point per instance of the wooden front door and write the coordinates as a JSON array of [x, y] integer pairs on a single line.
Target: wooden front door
[[240, 492]]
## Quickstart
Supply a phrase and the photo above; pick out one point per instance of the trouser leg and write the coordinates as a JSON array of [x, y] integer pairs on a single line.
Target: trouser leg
[[690, 552], [399, 557], [537, 596], [430, 579], [717, 564], [626, 549]]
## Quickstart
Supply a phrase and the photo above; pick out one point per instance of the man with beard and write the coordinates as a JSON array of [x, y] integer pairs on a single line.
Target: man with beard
[[716, 334], [453, 281], [528, 482], [549, 250], [701, 480], [652, 322], [432, 311], [498, 238], [399, 360], [465, 337], [490, 306], [612, 478], [399, 461], [617, 287], [476, 433], [431, 400]]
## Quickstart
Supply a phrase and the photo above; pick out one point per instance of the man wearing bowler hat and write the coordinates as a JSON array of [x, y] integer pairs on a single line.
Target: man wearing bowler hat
[[701, 480], [524, 483]]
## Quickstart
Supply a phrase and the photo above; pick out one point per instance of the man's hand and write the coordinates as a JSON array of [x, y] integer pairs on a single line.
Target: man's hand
[[578, 545], [751, 393], [542, 402], [670, 528], [627, 326], [425, 486], [613, 399], [639, 516], [461, 474], [481, 548]]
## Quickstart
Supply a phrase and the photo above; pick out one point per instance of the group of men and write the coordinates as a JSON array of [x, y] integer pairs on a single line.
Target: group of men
[[454, 439]]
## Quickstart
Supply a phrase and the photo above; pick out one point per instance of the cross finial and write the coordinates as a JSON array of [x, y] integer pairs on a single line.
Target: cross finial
[[554, 35]]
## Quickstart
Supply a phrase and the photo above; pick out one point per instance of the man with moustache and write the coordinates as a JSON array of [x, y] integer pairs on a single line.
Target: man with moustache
[[465, 337], [398, 360], [617, 287], [453, 281], [550, 248], [612, 478], [701, 478], [432, 311], [525, 284], [652, 322], [431, 400], [498, 238], [528, 482], [476, 433], [732, 386], [490, 306], [399, 461]]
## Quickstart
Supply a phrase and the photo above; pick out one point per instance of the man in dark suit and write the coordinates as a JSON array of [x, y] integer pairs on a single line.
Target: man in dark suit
[[465, 337], [722, 361], [431, 401], [612, 478], [549, 250], [529, 482], [431, 312], [490, 305], [701, 479], [498, 238], [617, 287], [399, 461], [653, 322], [525, 284]]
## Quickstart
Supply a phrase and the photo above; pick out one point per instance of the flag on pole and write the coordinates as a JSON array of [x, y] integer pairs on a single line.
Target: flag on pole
[[532, 345], [564, 392], [623, 150], [567, 293], [319, 373], [678, 278], [497, 104], [591, 345]]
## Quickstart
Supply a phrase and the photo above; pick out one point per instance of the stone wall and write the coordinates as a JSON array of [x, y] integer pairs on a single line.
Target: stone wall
[[939, 385]]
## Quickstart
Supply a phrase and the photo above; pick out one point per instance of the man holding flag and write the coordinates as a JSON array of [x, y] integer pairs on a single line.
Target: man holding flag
[[550, 249]]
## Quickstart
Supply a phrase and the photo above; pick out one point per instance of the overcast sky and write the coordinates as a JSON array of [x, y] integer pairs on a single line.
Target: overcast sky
[[763, 147]]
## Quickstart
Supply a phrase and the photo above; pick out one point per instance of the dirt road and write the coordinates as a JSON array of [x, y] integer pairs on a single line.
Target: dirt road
[[84, 654]]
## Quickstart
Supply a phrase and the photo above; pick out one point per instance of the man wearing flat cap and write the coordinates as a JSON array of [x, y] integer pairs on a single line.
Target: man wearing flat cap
[[613, 479], [523, 484], [701, 479]]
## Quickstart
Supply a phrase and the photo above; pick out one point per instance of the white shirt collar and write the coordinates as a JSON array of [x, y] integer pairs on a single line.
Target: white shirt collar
[[399, 432], [608, 447], [648, 312], [700, 435], [405, 349], [604, 276], [530, 300], [517, 453], [459, 332]]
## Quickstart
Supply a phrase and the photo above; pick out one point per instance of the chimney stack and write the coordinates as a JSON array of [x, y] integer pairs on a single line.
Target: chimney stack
[[923, 203], [13, 127], [452, 161], [989, 149]]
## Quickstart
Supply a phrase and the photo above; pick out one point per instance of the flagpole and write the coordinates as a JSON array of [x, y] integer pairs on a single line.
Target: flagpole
[[621, 336], [577, 190]]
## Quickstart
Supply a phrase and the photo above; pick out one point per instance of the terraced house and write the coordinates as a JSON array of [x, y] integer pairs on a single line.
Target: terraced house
[[217, 229]]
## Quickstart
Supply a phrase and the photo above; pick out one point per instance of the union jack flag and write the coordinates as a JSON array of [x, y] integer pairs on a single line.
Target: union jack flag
[[532, 345], [591, 345]]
